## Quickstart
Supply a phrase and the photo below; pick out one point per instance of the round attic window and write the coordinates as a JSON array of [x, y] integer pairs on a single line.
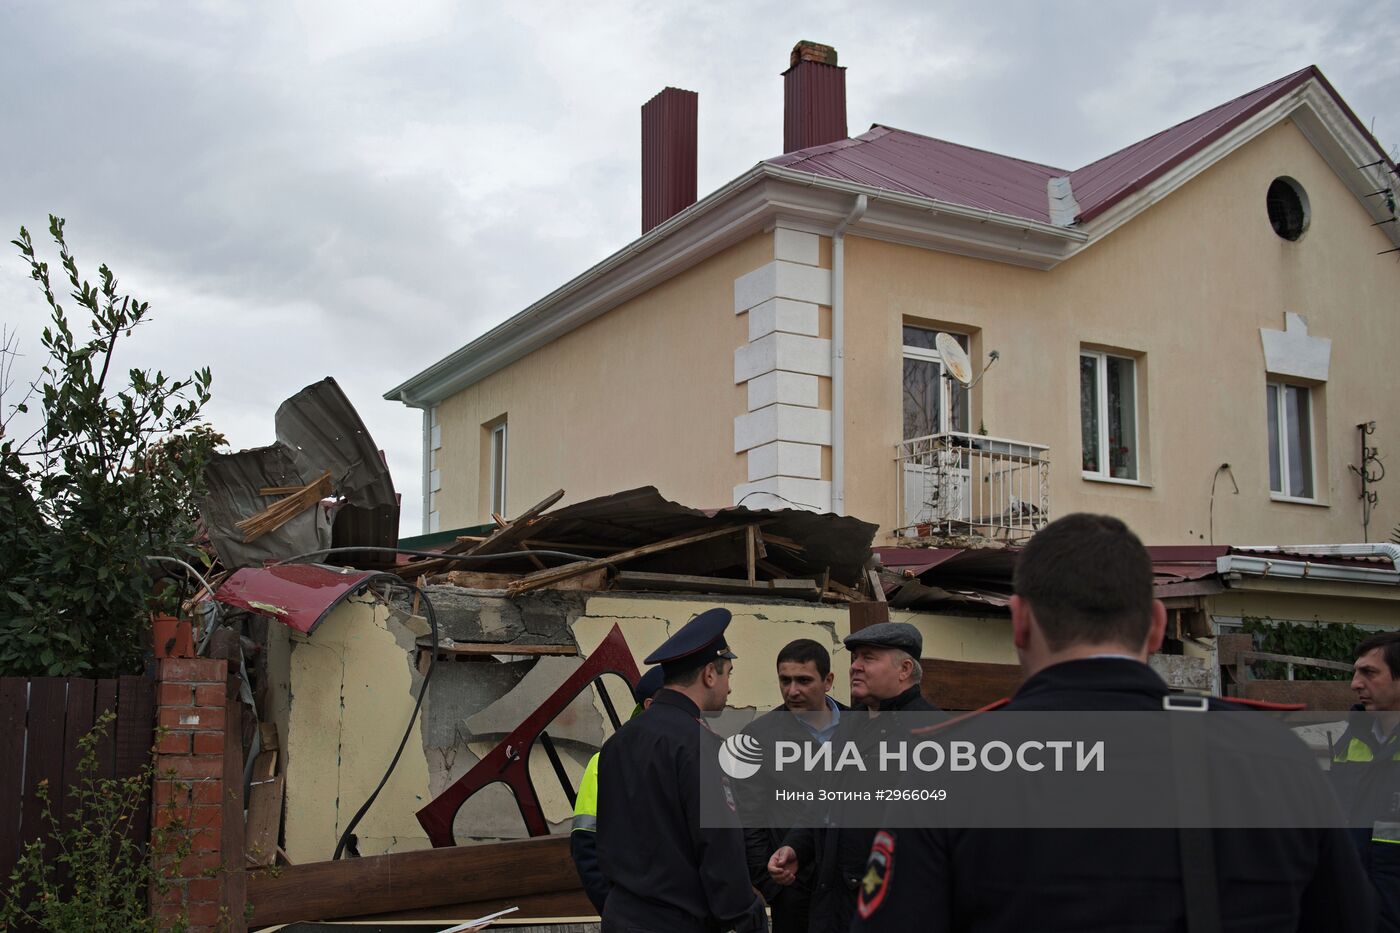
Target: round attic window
[[1288, 208]]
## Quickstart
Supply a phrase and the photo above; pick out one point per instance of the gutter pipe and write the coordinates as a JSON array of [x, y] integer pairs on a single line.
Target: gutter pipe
[[427, 467], [1294, 569], [838, 354]]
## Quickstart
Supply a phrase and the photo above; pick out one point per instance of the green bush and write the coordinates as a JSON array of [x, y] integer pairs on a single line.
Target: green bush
[[108, 478], [1329, 641]]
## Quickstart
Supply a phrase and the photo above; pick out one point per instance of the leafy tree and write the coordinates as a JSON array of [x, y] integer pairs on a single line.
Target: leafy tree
[[1330, 641], [108, 478]]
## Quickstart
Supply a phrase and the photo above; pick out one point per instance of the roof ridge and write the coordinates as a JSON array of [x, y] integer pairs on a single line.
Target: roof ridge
[[790, 159], [949, 142], [1274, 84]]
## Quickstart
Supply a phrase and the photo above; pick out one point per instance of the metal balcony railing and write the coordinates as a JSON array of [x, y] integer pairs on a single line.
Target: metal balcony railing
[[956, 485]]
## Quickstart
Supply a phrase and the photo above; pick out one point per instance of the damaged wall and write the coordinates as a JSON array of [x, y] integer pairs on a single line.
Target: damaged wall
[[350, 690]]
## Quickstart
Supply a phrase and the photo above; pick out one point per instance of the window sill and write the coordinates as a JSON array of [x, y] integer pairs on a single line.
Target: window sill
[[1294, 500], [1114, 481]]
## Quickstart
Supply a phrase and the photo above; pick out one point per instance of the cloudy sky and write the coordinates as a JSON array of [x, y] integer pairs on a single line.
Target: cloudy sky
[[355, 189]]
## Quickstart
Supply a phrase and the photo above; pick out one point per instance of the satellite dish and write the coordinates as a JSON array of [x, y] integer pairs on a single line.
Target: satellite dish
[[955, 361]]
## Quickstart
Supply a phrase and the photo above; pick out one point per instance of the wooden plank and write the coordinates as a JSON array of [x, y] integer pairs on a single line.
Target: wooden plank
[[14, 703], [136, 714], [962, 685], [877, 588], [512, 534], [842, 589], [502, 523], [505, 871], [545, 577], [78, 723], [1316, 694], [105, 702], [284, 510], [866, 614], [267, 736], [264, 820], [552, 910], [44, 755], [593, 581], [1296, 660], [676, 582], [1228, 646], [265, 765], [751, 553]]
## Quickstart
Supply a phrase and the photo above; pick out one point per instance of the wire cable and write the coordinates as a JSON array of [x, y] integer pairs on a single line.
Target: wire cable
[[394, 581], [194, 573], [466, 558]]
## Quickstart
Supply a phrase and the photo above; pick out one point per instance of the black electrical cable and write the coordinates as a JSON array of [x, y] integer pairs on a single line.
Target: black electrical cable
[[467, 558], [417, 704]]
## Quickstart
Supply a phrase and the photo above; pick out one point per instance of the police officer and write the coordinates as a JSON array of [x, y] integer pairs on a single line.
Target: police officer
[[667, 871], [1084, 622], [583, 842], [1366, 768], [885, 678]]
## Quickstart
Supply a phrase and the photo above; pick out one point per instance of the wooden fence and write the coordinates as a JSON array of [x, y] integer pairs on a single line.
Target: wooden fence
[[41, 720]]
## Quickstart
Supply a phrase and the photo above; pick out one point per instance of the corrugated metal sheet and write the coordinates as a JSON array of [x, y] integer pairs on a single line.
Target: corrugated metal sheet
[[297, 595], [670, 141], [317, 430], [933, 168], [814, 105]]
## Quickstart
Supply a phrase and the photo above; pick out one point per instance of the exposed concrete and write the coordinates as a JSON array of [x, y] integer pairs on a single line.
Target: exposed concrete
[[540, 618], [580, 721], [1182, 672], [462, 689]]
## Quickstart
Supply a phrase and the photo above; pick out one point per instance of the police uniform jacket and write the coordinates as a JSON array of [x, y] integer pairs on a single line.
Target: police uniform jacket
[[667, 872], [983, 880], [840, 853], [1366, 775]]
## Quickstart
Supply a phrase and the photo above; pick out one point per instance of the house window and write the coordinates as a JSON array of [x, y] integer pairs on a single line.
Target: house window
[[498, 469], [1290, 440], [932, 404], [1108, 415]]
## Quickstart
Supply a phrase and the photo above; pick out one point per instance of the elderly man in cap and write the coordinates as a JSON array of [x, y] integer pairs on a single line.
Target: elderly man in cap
[[885, 677], [583, 842], [667, 872]]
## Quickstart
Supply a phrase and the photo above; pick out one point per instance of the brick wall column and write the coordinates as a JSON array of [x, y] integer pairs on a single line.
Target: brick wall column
[[193, 787]]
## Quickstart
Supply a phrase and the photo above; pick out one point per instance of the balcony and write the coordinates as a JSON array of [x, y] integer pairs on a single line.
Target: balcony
[[971, 487]]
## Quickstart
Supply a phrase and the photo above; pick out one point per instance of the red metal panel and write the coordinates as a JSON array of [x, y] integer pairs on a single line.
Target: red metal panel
[[670, 140], [509, 762], [298, 595], [814, 105]]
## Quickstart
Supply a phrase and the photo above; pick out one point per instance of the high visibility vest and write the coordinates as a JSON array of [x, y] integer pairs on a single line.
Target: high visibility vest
[[586, 803]]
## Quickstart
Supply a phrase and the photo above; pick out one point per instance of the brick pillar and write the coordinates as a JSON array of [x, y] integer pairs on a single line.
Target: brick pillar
[[196, 788]]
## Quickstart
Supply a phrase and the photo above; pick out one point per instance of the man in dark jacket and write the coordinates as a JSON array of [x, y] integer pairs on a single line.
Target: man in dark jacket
[[1366, 769], [1084, 622], [885, 677], [668, 873], [808, 715]]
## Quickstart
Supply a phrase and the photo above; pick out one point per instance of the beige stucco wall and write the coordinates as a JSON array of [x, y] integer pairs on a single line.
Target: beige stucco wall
[[350, 689], [1189, 282], [643, 395], [1311, 602]]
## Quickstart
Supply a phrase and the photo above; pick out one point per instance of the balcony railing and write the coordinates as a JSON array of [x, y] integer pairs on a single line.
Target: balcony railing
[[956, 485]]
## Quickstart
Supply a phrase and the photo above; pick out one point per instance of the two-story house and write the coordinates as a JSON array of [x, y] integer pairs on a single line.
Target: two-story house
[[1186, 333]]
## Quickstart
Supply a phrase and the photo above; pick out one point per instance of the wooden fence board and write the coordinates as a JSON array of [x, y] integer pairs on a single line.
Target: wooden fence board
[[106, 701], [14, 704], [78, 723], [43, 760], [136, 713]]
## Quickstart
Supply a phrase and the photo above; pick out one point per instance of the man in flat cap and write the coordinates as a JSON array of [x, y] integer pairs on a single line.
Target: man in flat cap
[[885, 677], [667, 872]]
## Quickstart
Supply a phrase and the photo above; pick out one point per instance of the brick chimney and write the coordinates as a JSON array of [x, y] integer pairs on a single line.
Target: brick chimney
[[669, 142], [814, 97]]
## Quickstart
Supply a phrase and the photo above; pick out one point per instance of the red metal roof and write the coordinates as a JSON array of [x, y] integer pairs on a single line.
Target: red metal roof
[[934, 168]]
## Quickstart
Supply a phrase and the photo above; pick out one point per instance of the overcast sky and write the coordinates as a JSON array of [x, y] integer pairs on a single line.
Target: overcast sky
[[356, 189]]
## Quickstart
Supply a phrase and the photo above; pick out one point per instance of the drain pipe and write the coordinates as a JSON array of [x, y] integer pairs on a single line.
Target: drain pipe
[[427, 468], [838, 355]]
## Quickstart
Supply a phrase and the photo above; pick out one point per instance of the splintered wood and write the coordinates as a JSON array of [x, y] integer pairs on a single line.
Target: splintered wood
[[284, 510]]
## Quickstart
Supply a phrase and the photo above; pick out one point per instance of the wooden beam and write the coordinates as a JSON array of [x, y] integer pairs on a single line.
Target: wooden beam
[[512, 872], [675, 582], [284, 510], [545, 577], [264, 820], [751, 553], [963, 685]]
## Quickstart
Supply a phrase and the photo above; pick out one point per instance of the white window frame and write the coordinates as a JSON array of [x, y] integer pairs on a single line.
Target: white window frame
[[1279, 389], [500, 450], [1104, 473], [945, 397]]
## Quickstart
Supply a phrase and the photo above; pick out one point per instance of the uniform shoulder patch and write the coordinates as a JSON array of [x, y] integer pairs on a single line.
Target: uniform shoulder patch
[[878, 871]]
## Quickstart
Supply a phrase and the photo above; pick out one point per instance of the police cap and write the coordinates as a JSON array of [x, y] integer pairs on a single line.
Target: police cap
[[648, 684]]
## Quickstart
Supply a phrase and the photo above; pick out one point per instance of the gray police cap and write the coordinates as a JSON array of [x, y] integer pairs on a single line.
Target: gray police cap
[[899, 635]]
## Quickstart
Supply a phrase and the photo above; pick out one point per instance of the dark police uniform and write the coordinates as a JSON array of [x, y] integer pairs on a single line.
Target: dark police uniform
[[839, 854], [669, 874], [1366, 775], [983, 880], [583, 841]]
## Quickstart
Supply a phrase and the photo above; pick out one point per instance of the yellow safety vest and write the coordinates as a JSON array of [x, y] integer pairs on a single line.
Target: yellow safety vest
[[586, 803]]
